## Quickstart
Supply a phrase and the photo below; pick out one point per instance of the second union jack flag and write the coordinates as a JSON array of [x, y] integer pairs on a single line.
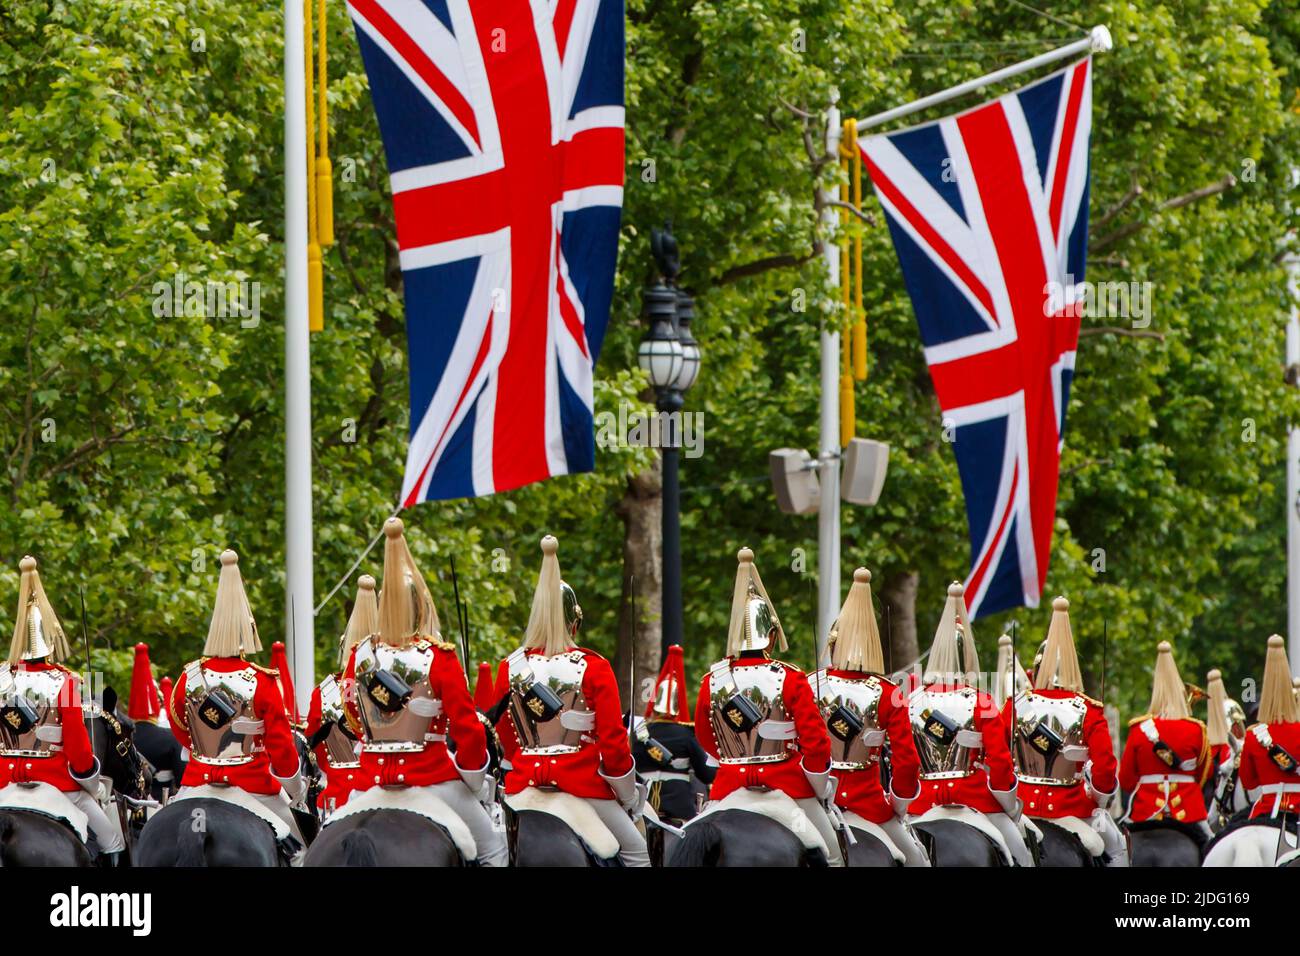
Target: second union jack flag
[[988, 211], [502, 123]]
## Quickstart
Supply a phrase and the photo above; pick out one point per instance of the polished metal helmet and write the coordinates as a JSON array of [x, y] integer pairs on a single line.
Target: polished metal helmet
[[759, 624], [40, 643], [423, 615], [572, 610], [1235, 715]]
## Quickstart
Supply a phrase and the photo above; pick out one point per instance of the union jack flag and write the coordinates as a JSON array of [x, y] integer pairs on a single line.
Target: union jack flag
[[502, 123], [988, 211]]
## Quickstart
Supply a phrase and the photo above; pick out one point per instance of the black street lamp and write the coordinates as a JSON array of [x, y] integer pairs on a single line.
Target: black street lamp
[[670, 357]]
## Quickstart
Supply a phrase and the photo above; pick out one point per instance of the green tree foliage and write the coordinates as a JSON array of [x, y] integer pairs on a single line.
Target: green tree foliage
[[142, 140]]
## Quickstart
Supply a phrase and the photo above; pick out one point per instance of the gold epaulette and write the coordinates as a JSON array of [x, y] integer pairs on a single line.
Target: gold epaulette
[[268, 671], [443, 645], [595, 654], [1093, 701], [1137, 720]]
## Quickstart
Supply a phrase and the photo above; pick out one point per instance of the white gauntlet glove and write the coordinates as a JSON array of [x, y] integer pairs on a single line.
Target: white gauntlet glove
[[295, 786], [823, 784], [626, 790]]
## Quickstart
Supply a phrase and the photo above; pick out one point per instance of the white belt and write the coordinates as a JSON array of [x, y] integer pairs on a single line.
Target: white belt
[[50, 733], [435, 738], [578, 719], [1166, 778], [777, 730], [660, 776], [244, 727]]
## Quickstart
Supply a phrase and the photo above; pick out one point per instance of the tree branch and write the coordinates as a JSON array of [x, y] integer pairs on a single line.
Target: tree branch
[[1120, 330], [866, 217], [1178, 202], [759, 266]]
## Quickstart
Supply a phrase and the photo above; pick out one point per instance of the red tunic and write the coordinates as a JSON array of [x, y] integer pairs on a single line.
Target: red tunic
[[860, 790], [812, 743], [1258, 769], [1044, 800], [458, 719], [279, 756], [975, 790], [339, 782], [76, 754], [1179, 798], [605, 751]]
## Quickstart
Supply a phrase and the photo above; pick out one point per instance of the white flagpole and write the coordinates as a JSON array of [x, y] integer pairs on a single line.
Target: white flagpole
[[298, 623], [1097, 41], [828, 511]]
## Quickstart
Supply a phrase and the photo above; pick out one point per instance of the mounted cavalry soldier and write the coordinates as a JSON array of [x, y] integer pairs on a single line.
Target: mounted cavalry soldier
[[966, 769], [1270, 756], [562, 732], [1061, 744], [1225, 729], [668, 756], [866, 717], [44, 745], [228, 713], [1165, 763], [155, 743], [757, 717], [331, 737], [409, 696]]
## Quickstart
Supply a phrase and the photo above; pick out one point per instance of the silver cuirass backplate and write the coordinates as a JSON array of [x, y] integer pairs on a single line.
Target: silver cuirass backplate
[[394, 725], [339, 746], [943, 726], [29, 702], [1049, 747], [851, 708], [224, 727], [547, 707], [767, 735]]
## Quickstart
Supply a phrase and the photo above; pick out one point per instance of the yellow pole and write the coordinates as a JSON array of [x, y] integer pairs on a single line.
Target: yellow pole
[[315, 271], [324, 169]]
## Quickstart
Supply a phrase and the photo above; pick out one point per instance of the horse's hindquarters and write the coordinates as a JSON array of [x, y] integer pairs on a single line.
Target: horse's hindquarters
[[32, 839], [206, 833], [383, 838]]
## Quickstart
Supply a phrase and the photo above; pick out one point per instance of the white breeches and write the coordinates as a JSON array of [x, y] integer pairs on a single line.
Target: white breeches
[[631, 844], [813, 809], [906, 841], [1014, 837], [488, 837], [107, 830]]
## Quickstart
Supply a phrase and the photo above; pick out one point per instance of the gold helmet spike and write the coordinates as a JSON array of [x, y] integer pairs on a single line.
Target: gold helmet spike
[[37, 632]]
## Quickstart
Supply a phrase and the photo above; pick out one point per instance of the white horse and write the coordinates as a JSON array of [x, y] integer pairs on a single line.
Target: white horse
[[1254, 845]]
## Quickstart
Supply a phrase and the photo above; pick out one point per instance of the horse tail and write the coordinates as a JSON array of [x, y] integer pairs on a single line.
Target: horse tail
[[359, 849], [191, 849], [700, 845]]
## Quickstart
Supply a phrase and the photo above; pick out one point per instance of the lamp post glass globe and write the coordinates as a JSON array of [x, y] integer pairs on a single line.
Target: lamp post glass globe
[[690, 366], [661, 359]]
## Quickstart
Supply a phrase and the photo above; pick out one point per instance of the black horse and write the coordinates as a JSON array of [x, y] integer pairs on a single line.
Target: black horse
[[202, 832], [537, 838], [34, 839], [1163, 843], [1061, 848], [740, 838], [869, 851], [383, 837], [953, 843]]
